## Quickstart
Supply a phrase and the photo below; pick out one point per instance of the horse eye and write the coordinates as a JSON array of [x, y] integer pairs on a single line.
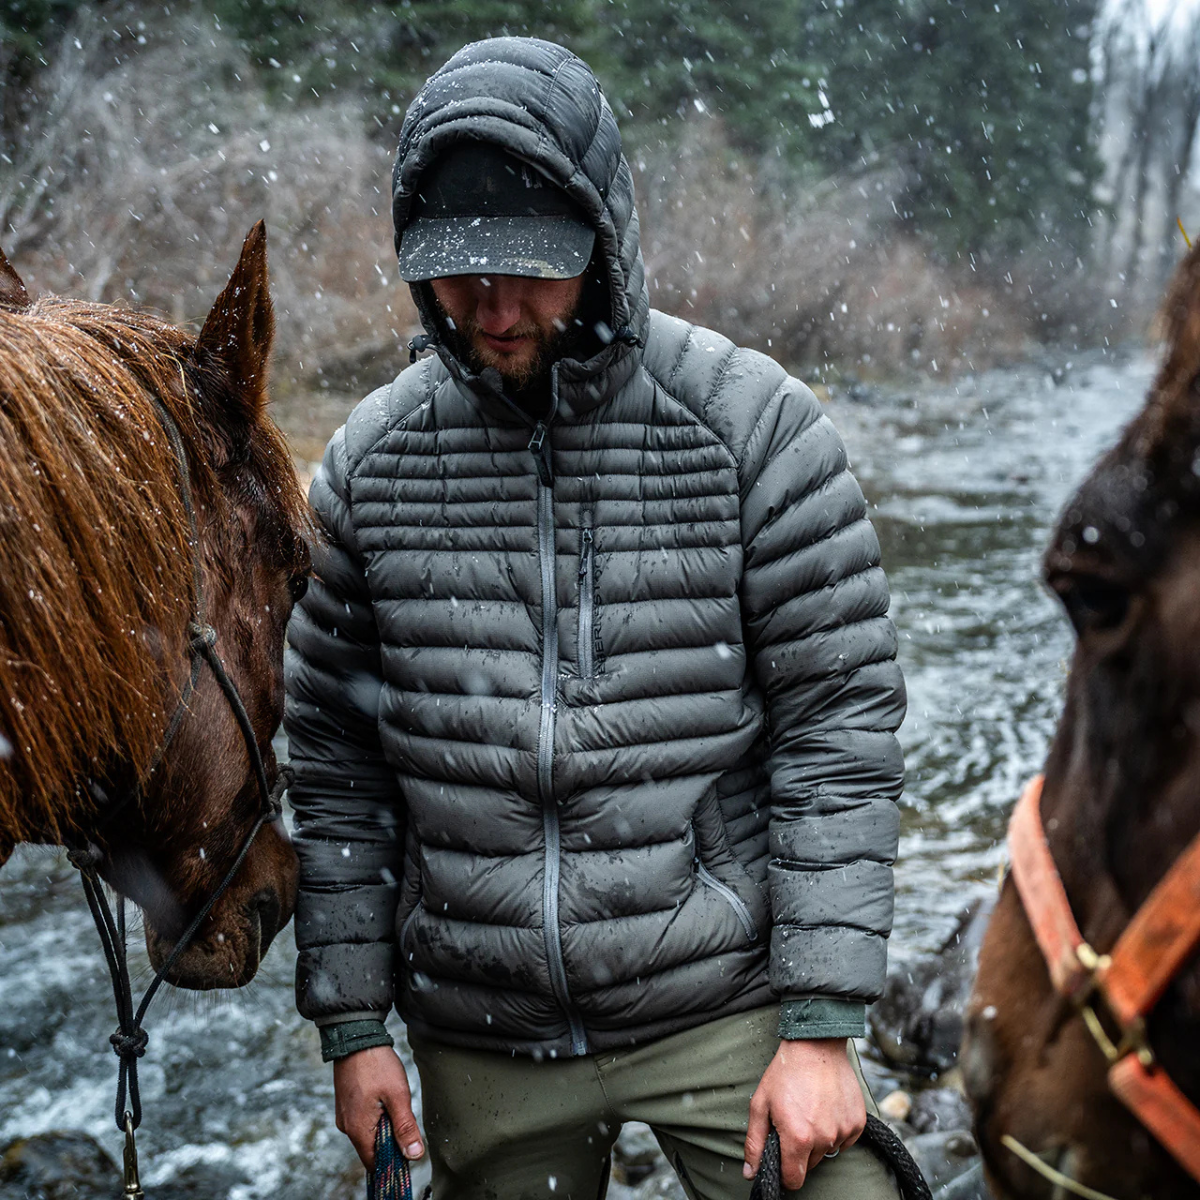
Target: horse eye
[[297, 586], [1093, 604]]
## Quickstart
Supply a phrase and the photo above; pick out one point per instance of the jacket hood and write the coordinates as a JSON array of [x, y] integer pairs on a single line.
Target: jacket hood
[[542, 104]]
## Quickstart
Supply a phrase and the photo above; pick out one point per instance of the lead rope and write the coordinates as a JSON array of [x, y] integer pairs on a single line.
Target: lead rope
[[391, 1179], [129, 1041], [877, 1137]]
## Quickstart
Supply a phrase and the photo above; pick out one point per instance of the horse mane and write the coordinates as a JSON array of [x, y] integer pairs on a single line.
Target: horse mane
[[96, 589]]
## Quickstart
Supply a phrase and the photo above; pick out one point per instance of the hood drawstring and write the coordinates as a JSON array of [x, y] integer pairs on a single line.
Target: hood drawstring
[[421, 342], [626, 334]]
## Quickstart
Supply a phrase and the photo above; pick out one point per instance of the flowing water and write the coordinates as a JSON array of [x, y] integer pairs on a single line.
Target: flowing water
[[965, 482]]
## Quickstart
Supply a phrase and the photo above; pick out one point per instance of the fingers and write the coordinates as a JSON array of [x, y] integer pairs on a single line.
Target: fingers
[[404, 1125], [799, 1155], [365, 1084], [809, 1148], [756, 1136]]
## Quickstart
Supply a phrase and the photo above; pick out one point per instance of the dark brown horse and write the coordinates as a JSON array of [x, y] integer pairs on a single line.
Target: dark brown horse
[[1121, 800], [96, 594]]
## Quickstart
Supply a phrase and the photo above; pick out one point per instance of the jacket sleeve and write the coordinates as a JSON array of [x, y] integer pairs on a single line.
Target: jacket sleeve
[[349, 814], [822, 649]]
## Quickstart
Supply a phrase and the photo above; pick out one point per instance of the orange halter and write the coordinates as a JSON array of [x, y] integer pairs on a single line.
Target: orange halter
[[1152, 948]]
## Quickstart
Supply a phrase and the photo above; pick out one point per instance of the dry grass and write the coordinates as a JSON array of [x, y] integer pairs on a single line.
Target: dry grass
[[825, 279]]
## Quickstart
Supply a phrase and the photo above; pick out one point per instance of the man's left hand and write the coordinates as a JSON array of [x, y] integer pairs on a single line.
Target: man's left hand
[[811, 1095]]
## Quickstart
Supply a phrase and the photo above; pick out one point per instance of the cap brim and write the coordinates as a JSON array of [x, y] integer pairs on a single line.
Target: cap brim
[[541, 247]]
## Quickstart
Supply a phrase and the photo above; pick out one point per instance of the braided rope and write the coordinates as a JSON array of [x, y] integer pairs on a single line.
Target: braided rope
[[877, 1137], [391, 1179]]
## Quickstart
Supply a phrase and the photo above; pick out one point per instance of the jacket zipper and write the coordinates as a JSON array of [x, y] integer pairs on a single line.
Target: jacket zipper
[[540, 448], [587, 600], [735, 901]]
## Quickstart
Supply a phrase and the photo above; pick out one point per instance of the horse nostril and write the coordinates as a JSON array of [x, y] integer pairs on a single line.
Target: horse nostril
[[265, 905], [977, 1054]]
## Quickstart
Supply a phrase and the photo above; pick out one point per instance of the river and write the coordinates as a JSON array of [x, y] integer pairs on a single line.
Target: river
[[964, 481]]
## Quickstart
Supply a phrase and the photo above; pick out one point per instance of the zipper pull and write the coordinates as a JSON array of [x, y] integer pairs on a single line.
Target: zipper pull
[[585, 559], [540, 449]]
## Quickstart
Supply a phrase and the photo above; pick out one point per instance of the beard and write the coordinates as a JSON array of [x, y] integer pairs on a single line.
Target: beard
[[527, 382]]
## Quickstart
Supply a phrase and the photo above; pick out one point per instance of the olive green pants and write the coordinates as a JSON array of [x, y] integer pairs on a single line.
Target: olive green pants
[[501, 1127]]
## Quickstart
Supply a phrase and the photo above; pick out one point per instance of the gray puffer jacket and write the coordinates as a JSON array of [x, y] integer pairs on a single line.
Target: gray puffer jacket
[[592, 718]]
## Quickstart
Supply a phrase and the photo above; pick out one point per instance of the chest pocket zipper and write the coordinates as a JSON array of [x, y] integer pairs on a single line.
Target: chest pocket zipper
[[586, 653], [735, 901]]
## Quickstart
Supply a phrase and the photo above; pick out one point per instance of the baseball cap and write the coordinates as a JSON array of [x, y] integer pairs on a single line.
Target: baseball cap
[[481, 211]]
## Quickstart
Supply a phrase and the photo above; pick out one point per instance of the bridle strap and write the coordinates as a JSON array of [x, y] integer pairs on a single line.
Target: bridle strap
[[1151, 1095], [130, 1039], [1153, 947], [1161, 937], [1042, 893]]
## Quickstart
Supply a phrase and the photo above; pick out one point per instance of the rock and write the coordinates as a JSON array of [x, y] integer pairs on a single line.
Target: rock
[[65, 1165], [32, 1021], [939, 1110], [918, 1022], [201, 1181], [970, 1185], [635, 1154], [943, 1156], [896, 1106]]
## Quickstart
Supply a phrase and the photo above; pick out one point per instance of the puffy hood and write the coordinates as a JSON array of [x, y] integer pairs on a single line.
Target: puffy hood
[[542, 104]]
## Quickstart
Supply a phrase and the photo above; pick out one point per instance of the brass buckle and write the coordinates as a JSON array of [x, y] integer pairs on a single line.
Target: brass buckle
[[133, 1187], [1133, 1036]]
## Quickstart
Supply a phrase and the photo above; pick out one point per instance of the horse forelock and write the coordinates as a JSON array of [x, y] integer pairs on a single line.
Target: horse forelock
[[97, 586]]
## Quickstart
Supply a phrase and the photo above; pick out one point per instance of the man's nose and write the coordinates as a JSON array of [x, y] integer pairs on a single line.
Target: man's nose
[[499, 304]]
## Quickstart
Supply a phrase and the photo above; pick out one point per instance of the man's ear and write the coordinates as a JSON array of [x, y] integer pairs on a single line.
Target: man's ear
[[12, 287], [238, 332]]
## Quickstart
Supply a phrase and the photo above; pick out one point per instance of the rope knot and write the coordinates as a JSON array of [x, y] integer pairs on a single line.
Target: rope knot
[[129, 1045], [201, 637], [84, 858]]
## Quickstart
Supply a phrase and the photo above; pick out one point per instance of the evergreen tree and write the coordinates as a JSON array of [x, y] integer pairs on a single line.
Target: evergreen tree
[[986, 106], [663, 58]]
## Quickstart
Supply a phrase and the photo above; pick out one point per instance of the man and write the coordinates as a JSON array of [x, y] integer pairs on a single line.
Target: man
[[592, 701]]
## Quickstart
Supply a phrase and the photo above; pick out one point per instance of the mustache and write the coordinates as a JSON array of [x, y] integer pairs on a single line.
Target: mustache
[[472, 329]]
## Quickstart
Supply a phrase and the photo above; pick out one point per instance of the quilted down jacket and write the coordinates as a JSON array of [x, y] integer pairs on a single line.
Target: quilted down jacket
[[592, 717]]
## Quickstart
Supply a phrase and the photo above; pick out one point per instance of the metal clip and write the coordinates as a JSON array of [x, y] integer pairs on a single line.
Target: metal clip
[[133, 1187], [1133, 1039]]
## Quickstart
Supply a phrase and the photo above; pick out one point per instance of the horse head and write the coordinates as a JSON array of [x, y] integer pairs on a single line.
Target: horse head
[[144, 424], [1121, 800]]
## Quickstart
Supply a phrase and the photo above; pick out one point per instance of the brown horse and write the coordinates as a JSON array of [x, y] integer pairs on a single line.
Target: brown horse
[[96, 594], [1121, 800]]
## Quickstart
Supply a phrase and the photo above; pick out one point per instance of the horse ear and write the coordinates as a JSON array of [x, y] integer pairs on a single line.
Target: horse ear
[[12, 287], [1179, 323], [241, 326]]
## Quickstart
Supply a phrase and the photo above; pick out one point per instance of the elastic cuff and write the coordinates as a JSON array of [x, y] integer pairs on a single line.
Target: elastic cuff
[[822, 1017], [338, 1041]]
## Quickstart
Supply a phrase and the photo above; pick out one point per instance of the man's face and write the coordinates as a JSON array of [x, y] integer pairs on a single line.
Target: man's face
[[512, 323]]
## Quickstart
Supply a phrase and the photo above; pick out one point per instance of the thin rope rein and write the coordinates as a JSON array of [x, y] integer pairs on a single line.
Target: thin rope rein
[[130, 1039], [1044, 1169]]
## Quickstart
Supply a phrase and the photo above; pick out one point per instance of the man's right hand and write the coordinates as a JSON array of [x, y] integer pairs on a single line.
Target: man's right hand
[[364, 1084]]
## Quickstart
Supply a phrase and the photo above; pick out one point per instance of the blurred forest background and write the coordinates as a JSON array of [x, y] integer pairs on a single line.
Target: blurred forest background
[[863, 188]]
